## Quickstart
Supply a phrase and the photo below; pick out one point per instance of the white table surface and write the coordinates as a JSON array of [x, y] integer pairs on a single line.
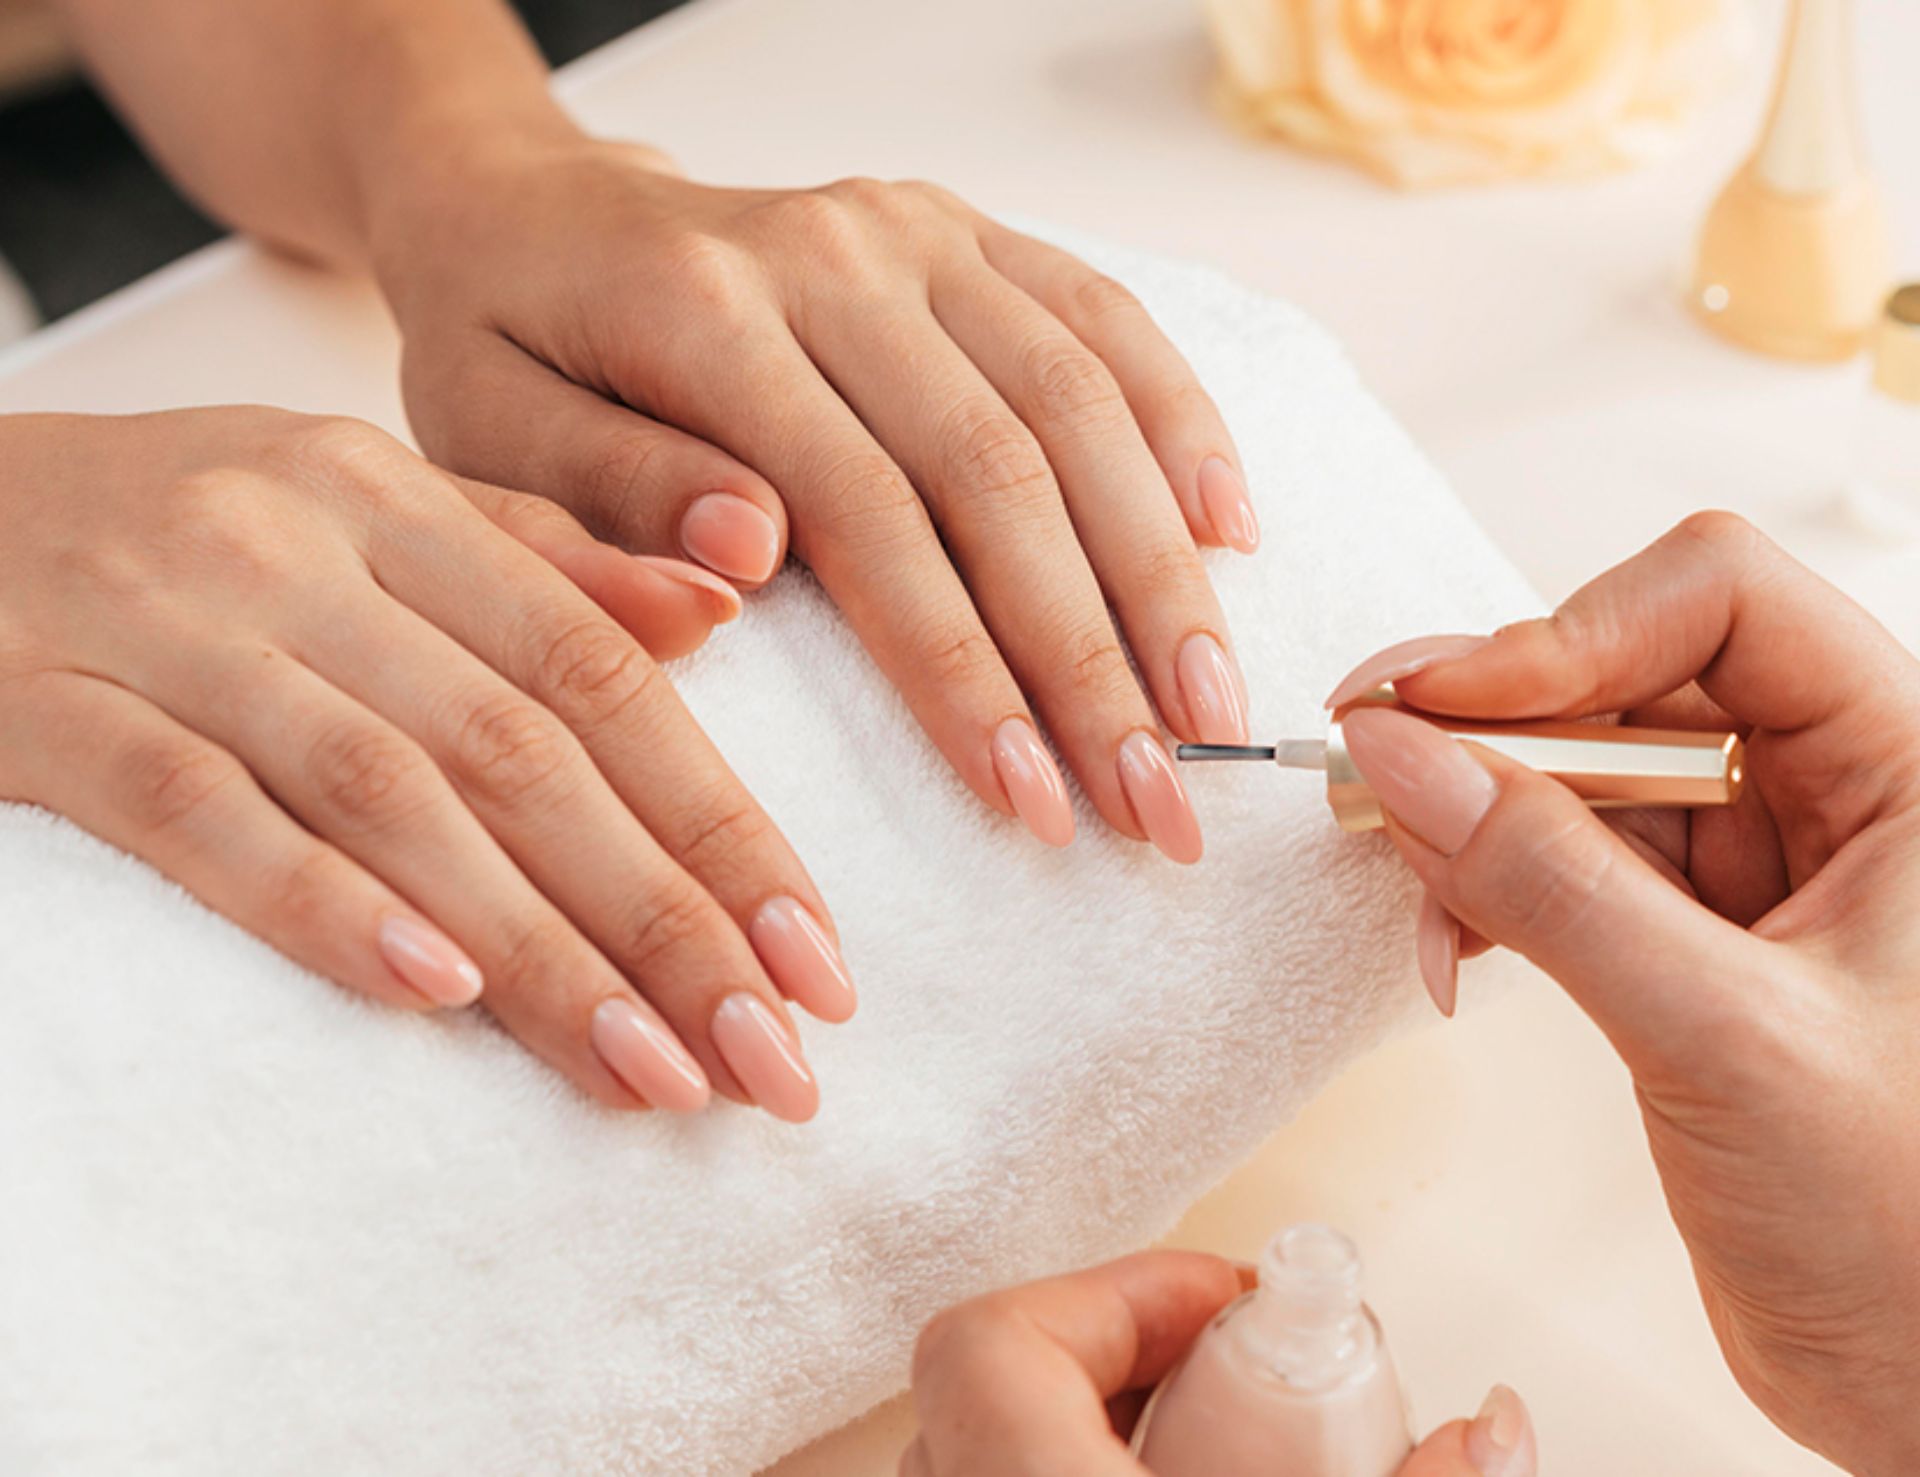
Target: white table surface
[[1494, 1169]]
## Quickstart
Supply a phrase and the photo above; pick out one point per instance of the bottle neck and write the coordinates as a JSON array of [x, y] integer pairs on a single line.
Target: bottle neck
[[1305, 1322], [1811, 144]]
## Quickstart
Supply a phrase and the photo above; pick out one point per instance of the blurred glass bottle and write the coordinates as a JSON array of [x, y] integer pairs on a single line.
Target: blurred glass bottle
[[1793, 257]]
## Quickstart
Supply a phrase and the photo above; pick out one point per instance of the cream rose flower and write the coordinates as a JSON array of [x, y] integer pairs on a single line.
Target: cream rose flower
[[1428, 92]]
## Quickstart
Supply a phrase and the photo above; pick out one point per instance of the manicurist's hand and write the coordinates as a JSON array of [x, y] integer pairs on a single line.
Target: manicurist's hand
[[404, 729], [974, 441], [1048, 1379], [1757, 967]]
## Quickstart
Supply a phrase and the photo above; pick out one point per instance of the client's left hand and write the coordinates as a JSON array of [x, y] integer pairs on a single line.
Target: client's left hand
[[1050, 1378], [975, 441]]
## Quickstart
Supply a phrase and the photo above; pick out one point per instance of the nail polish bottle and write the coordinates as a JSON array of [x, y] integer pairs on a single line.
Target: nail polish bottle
[[1793, 258], [1292, 1380]]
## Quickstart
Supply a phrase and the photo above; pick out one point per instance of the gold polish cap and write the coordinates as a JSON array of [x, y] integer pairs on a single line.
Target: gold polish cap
[[1609, 766], [1896, 346]]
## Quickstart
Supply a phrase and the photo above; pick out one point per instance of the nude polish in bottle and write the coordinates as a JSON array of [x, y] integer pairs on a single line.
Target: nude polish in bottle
[[1292, 1380]]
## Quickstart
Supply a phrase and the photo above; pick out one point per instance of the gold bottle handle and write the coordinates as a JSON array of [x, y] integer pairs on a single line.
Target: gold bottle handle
[[1609, 767]]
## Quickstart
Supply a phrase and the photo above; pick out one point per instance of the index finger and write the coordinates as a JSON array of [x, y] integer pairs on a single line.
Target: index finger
[[1715, 602], [1018, 1381]]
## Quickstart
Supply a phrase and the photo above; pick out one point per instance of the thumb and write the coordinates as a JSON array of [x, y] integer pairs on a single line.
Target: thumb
[[668, 606], [1498, 1442], [1522, 861]]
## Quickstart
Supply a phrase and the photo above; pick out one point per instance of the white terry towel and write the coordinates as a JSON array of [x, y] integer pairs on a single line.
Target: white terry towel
[[253, 1225]]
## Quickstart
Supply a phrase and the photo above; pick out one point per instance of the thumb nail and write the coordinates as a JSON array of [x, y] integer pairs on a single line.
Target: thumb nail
[[1426, 779], [1499, 1441]]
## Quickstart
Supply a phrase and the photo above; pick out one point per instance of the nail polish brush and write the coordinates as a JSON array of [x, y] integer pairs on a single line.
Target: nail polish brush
[[1610, 766]]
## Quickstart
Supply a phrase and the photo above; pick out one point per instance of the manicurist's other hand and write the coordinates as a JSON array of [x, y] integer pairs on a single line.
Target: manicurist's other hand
[[1757, 967], [404, 728], [977, 443], [1049, 1378]]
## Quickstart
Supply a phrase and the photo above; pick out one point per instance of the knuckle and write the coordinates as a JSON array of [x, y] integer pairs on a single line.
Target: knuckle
[[997, 454], [163, 783], [1724, 535], [714, 279], [1166, 571], [824, 223], [1098, 296], [365, 774], [621, 476], [592, 671], [675, 917], [507, 748], [534, 949], [304, 897], [1069, 384], [338, 446], [726, 828], [869, 505], [1543, 887], [958, 660], [1090, 660]]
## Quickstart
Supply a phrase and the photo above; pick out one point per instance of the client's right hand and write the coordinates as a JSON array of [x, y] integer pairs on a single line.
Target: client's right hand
[[356, 706], [1757, 967]]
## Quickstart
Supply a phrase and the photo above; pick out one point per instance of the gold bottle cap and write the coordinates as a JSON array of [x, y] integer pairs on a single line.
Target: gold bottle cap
[[1896, 346]]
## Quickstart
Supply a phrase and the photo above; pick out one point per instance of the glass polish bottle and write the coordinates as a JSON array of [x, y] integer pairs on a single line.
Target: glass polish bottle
[[1292, 1380]]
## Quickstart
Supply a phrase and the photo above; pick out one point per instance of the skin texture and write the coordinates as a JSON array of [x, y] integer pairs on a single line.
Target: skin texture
[[244, 645], [1050, 1377], [1756, 967], [980, 446]]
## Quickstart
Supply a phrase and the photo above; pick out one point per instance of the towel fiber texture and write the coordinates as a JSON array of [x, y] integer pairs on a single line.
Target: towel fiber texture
[[253, 1225]]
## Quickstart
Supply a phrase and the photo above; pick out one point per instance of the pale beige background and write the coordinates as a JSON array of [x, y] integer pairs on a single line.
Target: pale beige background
[[1492, 1169]]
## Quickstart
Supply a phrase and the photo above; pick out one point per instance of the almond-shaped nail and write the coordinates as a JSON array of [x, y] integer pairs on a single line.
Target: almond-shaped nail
[[801, 959], [1402, 660], [1437, 945], [724, 598], [1500, 1441], [731, 536], [1032, 782], [761, 1052], [1224, 497], [1211, 689], [431, 964], [1426, 779], [642, 1052], [1159, 800]]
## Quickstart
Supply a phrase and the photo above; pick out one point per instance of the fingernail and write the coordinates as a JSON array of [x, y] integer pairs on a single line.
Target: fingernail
[[430, 962], [731, 536], [643, 1053], [802, 959], [726, 598], [1211, 689], [1499, 1441], [1158, 799], [1400, 661], [1228, 508], [760, 1052], [1032, 782], [1430, 783], [1437, 943]]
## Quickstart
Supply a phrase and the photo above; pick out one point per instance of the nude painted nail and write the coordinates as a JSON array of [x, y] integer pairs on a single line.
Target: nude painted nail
[[642, 1052], [1224, 497], [1211, 689], [1401, 660], [1499, 1441], [1032, 782], [761, 1052], [726, 599], [1424, 778], [432, 964], [1158, 799], [1437, 945], [802, 960], [731, 536]]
